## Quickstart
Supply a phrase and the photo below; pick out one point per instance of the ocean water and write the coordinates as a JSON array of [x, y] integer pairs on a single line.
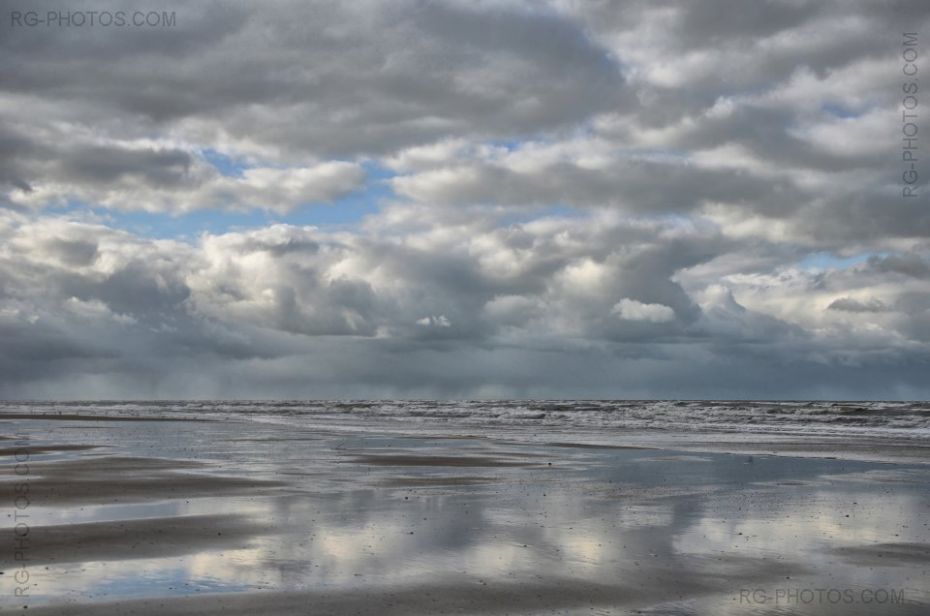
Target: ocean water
[[530, 419]]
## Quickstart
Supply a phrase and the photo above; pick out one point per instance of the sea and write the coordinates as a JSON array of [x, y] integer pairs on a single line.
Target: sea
[[588, 420]]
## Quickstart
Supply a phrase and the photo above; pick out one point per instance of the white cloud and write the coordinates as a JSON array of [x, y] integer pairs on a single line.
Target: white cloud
[[633, 310], [434, 321]]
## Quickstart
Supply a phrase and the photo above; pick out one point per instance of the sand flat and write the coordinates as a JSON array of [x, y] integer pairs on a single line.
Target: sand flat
[[153, 518], [545, 595], [31, 450], [90, 417], [433, 460], [884, 554], [117, 479], [131, 539]]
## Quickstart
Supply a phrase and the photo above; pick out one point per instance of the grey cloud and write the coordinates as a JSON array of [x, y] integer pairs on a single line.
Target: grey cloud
[[703, 150], [745, 43], [107, 164], [326, 79], [321, 82], [914, 301], [272, 302], [71, 252], [64, 165], [849, 304], [864, 216], [635, 185], [763, 131], [908, 264]]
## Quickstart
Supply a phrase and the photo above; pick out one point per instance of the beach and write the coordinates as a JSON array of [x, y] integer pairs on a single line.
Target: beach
[[177, 509]]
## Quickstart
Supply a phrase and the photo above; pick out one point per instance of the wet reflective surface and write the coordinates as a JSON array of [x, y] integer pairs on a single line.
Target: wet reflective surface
[[165, 509]]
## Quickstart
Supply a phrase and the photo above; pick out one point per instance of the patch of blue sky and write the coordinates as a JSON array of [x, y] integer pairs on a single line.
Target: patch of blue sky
[[825, 261], [189, 225], [511, 145], [351, 208], [226, 165], [344, 212]]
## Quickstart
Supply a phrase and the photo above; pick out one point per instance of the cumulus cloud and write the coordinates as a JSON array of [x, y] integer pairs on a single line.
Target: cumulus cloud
[[633, 310], [83, 305], [174, 182], [636, 199], [321, 79]]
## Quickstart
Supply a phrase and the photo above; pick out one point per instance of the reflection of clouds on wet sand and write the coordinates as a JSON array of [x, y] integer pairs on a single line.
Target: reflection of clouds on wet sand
[[380, 515], [809, 518]]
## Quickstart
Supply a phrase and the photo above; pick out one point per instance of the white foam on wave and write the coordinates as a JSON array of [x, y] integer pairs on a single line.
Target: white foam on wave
[[874, 419]]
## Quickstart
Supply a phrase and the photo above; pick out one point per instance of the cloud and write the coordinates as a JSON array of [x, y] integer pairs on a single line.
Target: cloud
[[84, 305], [434, 321], [560, 198], [633, 310], [161, 177], [912, 265], [849, 304], [320, 79]]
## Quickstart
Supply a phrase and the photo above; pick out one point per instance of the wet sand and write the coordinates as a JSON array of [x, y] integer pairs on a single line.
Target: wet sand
[[88, 417], [31, 451], [434, 461], [868, 449], [115, 479], [238, 518], [132, 539], [541, 596]]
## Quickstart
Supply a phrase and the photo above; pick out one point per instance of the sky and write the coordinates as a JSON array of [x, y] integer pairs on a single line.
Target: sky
[[462, 199]]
